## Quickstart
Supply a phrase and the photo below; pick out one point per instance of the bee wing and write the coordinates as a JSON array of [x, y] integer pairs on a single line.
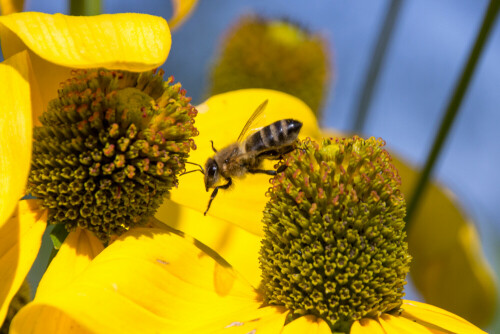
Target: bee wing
[[256, 114]]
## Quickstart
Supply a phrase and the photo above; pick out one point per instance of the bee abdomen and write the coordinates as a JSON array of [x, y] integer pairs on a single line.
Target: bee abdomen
[[280, 133]]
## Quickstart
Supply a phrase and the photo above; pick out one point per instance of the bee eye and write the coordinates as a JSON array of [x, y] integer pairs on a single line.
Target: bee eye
[[212, 170]]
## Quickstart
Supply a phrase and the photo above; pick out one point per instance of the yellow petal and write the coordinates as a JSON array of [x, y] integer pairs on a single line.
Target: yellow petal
[[135, 42], [75, 254], [11, 6], [45, 319], [15, 127], [148, 280], [266, 320], [431, 315], [307, 325], [396, 325], [449, 267], [237, 246], [58, 43], [221, 119], [365, 326], [182, 10], [20, 240]]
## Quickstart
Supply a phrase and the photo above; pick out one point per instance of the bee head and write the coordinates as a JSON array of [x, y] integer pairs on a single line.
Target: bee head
[[211, 173]]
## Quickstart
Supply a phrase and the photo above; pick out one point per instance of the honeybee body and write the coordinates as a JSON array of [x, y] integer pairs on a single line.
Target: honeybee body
[[270, 142], [246, 156]]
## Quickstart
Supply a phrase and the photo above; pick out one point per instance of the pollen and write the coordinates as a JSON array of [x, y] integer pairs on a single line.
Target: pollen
[[334, 244], [110, 149]]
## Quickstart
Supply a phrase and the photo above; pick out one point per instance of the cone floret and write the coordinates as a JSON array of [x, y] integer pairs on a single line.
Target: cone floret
[[110, 149], [334, 244]]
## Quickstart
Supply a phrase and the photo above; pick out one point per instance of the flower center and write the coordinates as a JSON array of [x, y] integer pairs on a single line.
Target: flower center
[[273, 54], [110, 149], [334, 244]]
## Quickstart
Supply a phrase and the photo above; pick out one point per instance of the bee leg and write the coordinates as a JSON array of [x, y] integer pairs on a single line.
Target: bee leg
[[213, 148], [216, 190], [262, 171], [281, 168]]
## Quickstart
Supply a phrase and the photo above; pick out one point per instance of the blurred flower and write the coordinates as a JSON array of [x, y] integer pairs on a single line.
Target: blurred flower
[[40, 52], [182, 10], [11, 6], [273, 54], [325, 268]]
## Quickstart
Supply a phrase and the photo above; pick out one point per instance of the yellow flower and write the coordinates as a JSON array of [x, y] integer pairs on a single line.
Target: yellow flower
[[40, 52], [445, 262], [456, 249], [152, 280], [164, 283]]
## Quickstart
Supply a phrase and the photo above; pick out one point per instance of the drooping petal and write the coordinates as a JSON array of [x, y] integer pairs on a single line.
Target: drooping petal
[[446, 251], [182, 10], [15, 127], [58, 43], [434, 316], [20, 240], [75, 254], [307, 325], [11, 6], [221, 119], [365, 326], [447, 254], [236, 245], [148, 280]]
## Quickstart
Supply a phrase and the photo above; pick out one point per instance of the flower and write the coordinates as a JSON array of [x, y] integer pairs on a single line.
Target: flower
[[157, 280], [41, 51], [455, 249], [273, 54], [270, 54]]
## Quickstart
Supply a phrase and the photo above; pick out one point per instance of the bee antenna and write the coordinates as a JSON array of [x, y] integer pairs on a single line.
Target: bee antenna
[[195, 170]]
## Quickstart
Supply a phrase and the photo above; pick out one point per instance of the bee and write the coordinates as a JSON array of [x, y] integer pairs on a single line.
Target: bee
[[249, 151]]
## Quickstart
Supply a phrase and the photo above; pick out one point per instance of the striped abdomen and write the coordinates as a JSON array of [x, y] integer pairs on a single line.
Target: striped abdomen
[[280, 133]]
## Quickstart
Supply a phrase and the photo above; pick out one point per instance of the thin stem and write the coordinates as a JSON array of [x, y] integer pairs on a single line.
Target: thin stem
[[453, 106], [85, 7], [374, 69]]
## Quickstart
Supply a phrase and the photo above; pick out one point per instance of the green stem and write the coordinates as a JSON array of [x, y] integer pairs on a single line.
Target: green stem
[[85, 7], [453, 106], [377, 60]]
